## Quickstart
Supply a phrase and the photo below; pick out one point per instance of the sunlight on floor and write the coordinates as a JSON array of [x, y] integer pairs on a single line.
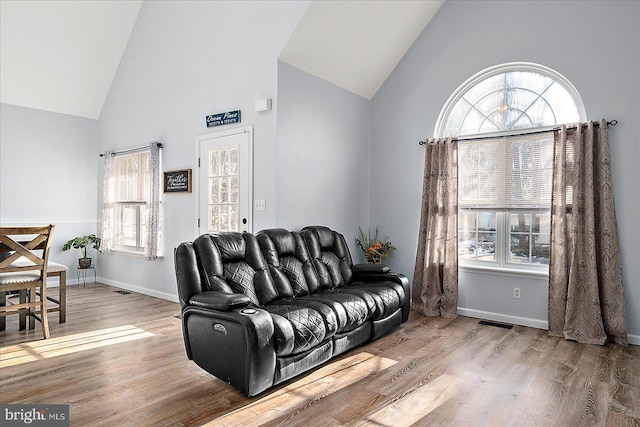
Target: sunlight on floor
[[326, 380], [52, 347], [418, 403]]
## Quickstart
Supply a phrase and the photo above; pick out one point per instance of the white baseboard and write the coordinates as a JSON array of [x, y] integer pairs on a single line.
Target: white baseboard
[[54, 282], [140, 290], [522, 321], [633, 339], [504, 318]]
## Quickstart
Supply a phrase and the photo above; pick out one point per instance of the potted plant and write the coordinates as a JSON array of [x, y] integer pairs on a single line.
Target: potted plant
[[86, 244], [374, 249]]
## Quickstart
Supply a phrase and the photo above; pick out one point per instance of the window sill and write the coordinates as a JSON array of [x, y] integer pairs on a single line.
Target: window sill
[[513, 272], [130, 253]]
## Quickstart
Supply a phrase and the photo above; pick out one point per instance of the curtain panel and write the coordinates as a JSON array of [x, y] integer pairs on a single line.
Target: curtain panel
[[435, 279], [586, 298], [153, 210], [108, 198]]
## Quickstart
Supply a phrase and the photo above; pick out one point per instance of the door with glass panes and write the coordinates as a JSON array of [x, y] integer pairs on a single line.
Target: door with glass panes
[[225, 180]]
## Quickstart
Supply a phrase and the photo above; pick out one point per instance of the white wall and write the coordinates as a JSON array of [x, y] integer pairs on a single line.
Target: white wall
[[323, 155], [186, 60], [595, 44], [48, 165]]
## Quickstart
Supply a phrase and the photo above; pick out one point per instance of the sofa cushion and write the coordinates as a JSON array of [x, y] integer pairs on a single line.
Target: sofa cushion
[[240, 276], [386, 297], [307, 324], [294, 270], [289, 263], [353, 310], [330, 256], [209, 262], [332, 263], [232, 262]]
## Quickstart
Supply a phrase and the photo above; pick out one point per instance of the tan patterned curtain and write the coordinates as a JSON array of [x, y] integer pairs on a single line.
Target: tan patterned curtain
[[435, 279], [586, 300]]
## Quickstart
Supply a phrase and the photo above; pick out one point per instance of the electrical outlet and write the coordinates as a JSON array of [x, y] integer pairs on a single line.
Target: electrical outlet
[[516, 293], [142, 269]]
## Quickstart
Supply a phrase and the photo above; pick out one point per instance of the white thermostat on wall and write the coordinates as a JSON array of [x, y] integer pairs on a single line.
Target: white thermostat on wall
[[263, 105]]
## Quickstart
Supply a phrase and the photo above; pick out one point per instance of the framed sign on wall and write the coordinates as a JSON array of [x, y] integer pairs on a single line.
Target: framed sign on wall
[[223, 118], [177, 181]]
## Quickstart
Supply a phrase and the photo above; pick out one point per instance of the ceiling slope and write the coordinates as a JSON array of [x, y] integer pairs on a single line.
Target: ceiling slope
[[62, 56], [357, 44]]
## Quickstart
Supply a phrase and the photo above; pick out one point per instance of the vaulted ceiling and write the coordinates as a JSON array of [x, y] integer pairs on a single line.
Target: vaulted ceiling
[[62, 56], [357, 44]]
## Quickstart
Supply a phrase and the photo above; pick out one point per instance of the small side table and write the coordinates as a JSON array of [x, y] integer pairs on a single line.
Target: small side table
[[81, 274]]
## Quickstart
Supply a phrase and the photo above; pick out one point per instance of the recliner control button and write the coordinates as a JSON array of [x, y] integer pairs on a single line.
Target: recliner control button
[[220, 328]]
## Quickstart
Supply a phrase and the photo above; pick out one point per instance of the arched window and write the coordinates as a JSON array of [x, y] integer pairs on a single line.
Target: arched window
[[510, 97], [505, 176]]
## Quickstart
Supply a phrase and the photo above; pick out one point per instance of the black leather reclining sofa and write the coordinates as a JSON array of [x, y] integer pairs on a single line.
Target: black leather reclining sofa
[[260, 309]]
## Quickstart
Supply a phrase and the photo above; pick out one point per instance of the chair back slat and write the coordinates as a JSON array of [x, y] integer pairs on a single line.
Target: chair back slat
[[13, 239], [20, 251]]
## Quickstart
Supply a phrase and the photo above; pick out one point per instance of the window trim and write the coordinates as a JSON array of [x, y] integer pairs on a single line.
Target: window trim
[[501, 265], [500, 69], [506, 271], [138, 204], [503, 249]]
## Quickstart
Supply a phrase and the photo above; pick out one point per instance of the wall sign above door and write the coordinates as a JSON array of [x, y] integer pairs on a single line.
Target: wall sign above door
[[223, 118]]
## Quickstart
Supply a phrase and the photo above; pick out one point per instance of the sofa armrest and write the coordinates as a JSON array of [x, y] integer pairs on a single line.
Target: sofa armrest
[[217, 300], [237, 346], [369, 269]]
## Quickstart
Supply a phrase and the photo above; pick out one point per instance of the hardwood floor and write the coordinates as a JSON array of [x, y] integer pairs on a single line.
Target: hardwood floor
[[120, 361]]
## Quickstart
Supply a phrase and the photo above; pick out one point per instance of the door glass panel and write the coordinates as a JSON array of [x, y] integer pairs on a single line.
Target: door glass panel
[[214, 168], [224, 189], [214, 189], [233, 161], [233, 190], [225, 181]]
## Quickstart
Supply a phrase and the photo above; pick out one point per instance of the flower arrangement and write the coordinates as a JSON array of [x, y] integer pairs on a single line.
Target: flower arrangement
[[374, 249]]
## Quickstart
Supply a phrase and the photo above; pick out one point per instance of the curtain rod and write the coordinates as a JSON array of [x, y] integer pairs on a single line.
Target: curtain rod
[[159, 144], [477, 138]]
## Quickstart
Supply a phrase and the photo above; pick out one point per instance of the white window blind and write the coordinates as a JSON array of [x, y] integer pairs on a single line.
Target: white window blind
[[506, 173]]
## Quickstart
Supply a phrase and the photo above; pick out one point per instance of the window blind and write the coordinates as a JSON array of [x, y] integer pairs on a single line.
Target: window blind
[[506, 173]]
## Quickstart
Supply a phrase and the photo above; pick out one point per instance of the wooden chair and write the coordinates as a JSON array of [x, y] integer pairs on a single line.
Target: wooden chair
[[29, 278], [53, 270]]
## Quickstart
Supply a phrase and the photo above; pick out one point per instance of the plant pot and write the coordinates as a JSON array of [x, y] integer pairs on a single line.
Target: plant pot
[[84, 262]]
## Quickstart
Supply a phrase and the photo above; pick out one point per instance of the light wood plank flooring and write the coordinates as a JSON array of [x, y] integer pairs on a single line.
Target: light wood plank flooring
[[120, 361]]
